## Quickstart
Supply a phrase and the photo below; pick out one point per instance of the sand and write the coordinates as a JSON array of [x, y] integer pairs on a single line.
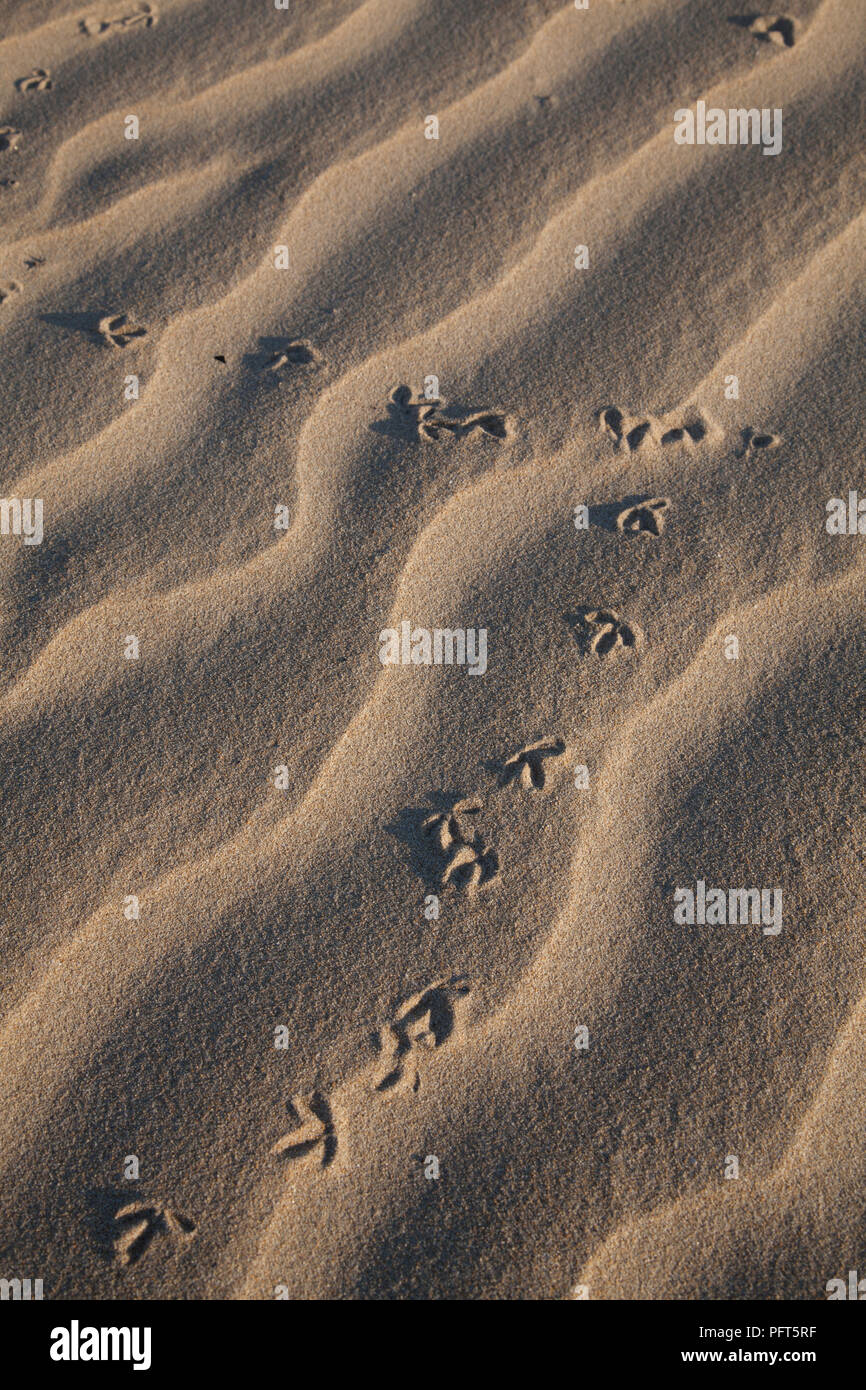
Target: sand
[[328, 978]]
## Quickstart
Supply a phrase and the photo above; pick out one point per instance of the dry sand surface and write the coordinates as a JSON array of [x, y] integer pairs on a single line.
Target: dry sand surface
[[329, 977]]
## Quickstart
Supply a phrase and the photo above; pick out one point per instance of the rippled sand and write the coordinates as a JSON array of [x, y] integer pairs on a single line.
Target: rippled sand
[[383, 1004]]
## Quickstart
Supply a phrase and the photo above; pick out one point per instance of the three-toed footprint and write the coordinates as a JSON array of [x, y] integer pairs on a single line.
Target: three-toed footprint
[[144, 14], [447, 827], [117, 331], [754, 441], [422, 1023], [645, 517], [39, 80], [422, 416], [471, 866], [527, 765], [631, 432], [774, 28], [140, 1222], [315, 1132], [607, 632]]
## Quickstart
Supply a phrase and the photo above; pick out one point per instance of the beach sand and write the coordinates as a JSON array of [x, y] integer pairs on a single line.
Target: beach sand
[[316, 983]]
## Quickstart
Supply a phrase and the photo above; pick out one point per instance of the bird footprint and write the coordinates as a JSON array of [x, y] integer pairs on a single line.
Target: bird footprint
[[96, 28], [647, 516], [471, 866], [754, 440], [630, 432], [116, 330], [291, 354], [422, 416], [607, 632], [142, 1221], [528, 764], [39, 80], [315, 1129], [447, 827], [422, 1023], [774, 28]]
